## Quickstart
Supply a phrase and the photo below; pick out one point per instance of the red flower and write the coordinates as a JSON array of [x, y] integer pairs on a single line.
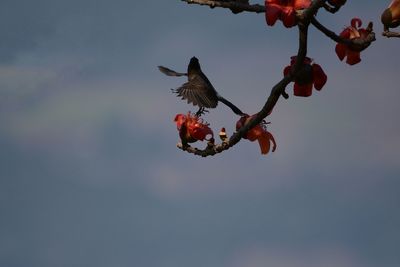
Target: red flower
[[259, 133], [310, 74], [351, 32], [337, 3], [391, 16], [284, 10], [191, 128]]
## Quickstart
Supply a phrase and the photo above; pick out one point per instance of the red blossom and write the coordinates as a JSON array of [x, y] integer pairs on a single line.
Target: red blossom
[[192, 128], [351, 32], [310, 74], [395, 9], [391, 16], [259, 133], [284, 10]]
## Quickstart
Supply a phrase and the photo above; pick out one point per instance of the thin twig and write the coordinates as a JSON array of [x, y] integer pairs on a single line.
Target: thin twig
[[390, 34], [232, 5], [357, 43]]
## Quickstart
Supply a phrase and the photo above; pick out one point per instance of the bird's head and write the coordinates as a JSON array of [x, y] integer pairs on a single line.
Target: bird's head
[[194, 59], [194, 63]]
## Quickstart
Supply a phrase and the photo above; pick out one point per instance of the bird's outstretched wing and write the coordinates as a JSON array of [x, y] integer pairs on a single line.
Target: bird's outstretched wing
[[197, 91], [170, 72]]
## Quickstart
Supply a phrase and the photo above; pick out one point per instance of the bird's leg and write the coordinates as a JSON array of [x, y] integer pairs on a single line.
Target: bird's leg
[[201, 111]]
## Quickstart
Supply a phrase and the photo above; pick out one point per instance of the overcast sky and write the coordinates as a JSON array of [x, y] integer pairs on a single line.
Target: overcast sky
[[90, 174]]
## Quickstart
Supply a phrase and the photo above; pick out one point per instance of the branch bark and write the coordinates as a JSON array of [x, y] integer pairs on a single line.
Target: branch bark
[[235, 6], [390, 34]]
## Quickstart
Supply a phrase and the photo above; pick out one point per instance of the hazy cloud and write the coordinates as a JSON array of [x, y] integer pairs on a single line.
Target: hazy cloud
[[90, 175]]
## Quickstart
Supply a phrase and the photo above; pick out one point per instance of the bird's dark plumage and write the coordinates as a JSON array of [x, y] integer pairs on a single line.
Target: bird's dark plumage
[[198, 90]]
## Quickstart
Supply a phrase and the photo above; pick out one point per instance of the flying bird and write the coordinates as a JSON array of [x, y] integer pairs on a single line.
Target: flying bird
[[198, 90]]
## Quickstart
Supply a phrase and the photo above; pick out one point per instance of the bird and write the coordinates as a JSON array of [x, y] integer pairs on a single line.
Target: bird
[[391, 16], [198, 90]]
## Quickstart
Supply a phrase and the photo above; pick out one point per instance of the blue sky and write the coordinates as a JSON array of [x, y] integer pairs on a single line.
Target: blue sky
[[90, 175]]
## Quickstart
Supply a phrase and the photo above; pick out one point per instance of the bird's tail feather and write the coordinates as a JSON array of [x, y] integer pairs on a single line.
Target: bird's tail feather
[[170, 72], [234, 108]]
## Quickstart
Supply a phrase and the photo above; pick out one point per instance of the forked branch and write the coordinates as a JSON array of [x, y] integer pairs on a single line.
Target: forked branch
[[273, 98], [304, 18]]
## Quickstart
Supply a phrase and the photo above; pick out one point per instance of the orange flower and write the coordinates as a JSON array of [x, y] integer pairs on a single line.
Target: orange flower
[[310, 74], [259, 133], [284, 10], [192, 128], [351, 32]]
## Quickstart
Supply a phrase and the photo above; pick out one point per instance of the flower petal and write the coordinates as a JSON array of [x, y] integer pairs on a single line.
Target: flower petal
[[302, 90], [201, 132], [272, 13], [319, 76], [341, 50], [289, 17], [395, 9], [353, 57], [264, 143], [272, 139], [346, 33], [286, 70], [356, 22], [254, 133], [301, 4], [179, 120]]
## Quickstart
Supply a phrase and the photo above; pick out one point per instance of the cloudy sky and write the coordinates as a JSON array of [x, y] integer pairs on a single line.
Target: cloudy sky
[[90, 174]]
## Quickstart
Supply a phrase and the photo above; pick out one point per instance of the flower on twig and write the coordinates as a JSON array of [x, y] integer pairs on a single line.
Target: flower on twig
[[284, 10], [192, 128], [259, 133], [391, 16], [309, 75], [352, 32]]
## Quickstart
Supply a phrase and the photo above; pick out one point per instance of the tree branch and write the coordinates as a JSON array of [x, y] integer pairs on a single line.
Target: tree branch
[[390, 34], [213, 149], [304, 18], [357, 43], [235, 6], [273, 98]]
